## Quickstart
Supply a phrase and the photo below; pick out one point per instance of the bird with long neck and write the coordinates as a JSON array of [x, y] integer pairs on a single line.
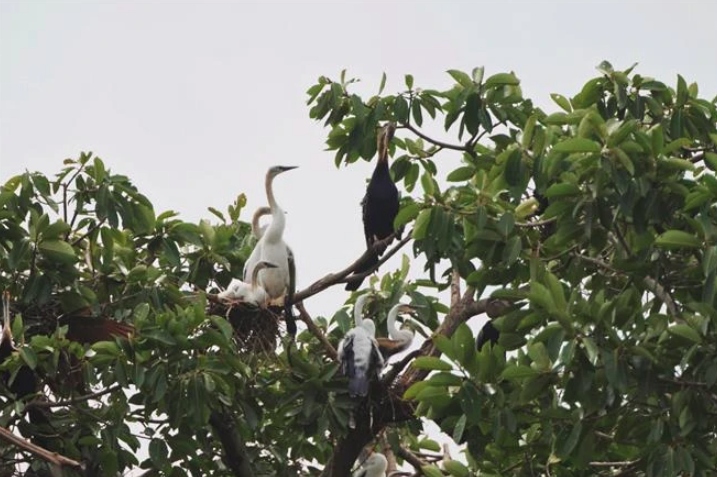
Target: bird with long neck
[[375, 465], [280, 281], [257, 230], [399, 339], [252, 292], [359, 354], [380, 206]]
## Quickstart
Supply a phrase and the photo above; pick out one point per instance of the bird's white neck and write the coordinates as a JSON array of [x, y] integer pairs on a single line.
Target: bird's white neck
[[275, 230]]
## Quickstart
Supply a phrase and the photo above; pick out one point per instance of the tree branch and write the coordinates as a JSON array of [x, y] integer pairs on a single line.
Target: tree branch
[[339, 277], [410, 457], [51, 457], [653, 285], [316, 331], [455, 287], [444, 145], [235, 456], [70, 402]]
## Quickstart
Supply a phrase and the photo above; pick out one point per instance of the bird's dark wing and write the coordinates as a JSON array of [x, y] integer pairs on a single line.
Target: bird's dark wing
[[347, 356], [486, 334]]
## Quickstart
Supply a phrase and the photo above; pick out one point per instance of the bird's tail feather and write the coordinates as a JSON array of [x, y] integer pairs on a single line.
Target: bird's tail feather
[[358, 384], [354, 283]]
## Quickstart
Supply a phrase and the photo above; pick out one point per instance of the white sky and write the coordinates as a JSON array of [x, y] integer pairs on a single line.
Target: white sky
[[195, 100]]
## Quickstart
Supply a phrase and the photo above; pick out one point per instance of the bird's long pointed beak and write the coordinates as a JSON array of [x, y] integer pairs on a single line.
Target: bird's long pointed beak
[[287, 168]]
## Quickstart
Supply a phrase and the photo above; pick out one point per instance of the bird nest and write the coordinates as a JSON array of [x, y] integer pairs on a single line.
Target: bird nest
[[256, 330]]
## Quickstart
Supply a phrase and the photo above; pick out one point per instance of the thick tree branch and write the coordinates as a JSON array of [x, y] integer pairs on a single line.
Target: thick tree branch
[[339, 277], [316, 331], [455, 287], [235, 456], [51, 457]]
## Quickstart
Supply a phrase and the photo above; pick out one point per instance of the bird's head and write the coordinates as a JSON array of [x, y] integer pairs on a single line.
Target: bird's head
[[276, 170], [411, 310]]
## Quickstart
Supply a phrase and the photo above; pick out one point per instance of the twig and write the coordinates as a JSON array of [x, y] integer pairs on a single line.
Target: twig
[[653, 285], [339, 277], [537, 223], [89, 231], [70, 402], [614, 464], [316, 331], [44, 454], [445, 145]]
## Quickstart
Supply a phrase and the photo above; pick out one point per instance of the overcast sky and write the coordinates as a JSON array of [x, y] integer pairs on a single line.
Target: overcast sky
[[195, 100]]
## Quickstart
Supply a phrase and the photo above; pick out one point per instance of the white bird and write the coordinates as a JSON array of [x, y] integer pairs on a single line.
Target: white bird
[[359, 353], [248, 292], [398, 340], [280, 281], [256, 229], [374, 466]]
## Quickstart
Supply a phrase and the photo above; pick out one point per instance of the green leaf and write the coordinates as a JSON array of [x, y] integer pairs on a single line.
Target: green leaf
[[58, 251], [685, 331], [501, 79], [431, 363], [431, 470], [477, 74], [406, 214], [461, 174], [518, 372], [577, 144], [459, 428], [29, 356], [461, 78], [382, 85], [421, 226], [675, 239], [409, 81], [562, 101], [455, 468]]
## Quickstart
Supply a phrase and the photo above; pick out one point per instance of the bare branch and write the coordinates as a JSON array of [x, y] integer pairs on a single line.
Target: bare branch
[[444, 145], [51, 457], [339, 277], [316, 331], [70, 402], [410, 457], [455, 287]]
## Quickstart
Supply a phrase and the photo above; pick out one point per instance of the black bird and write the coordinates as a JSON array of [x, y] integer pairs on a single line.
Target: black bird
[[486, 334], [380, 206], [24, 382]]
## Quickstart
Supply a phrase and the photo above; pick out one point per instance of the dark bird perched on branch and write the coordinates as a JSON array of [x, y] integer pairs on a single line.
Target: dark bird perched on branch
[[359, 353], [280, 281], [380, 205], [24, 382]]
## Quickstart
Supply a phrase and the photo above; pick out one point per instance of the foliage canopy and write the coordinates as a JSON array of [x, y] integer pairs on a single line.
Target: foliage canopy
[[589, 235]]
